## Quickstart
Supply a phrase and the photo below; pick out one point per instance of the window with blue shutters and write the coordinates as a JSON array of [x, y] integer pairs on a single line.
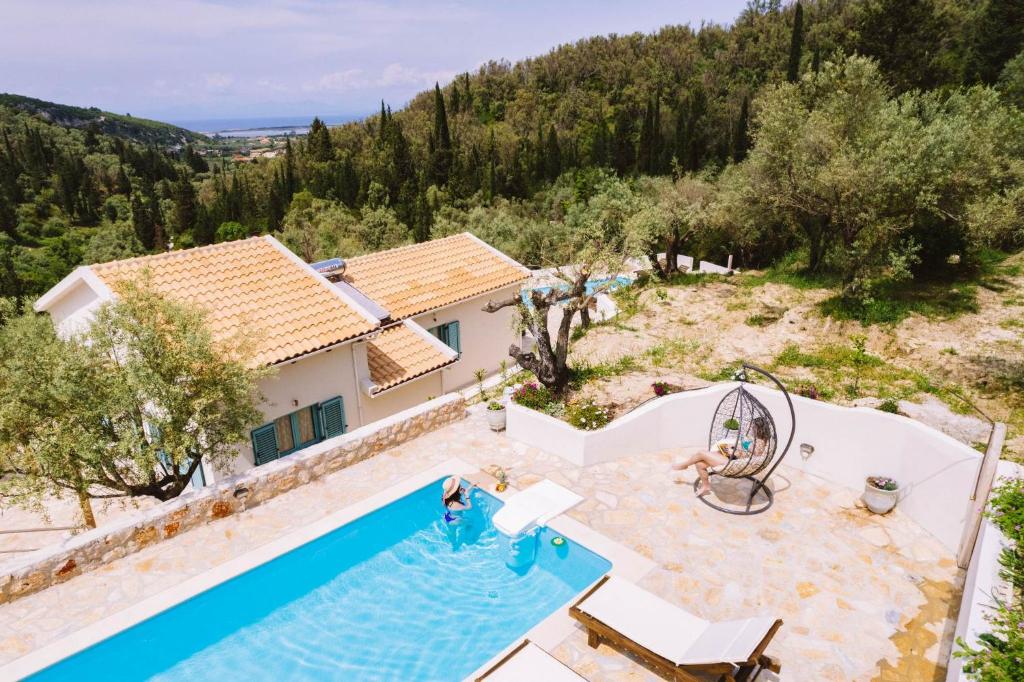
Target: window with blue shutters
[[332, 417], [292, 432], [449, 335], [264, 444]]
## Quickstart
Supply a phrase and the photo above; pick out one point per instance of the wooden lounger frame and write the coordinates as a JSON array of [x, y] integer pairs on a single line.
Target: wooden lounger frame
[[505, 659], [598, 632]]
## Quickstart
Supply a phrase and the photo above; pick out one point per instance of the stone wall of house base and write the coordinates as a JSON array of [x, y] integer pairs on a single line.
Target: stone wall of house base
[[89, 550]]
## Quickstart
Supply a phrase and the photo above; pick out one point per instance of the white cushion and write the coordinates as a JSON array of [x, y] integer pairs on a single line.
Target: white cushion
[[670, 631], [533, 663]]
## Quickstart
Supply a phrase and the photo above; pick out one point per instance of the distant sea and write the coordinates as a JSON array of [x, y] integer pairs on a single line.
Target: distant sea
[[265, 126]]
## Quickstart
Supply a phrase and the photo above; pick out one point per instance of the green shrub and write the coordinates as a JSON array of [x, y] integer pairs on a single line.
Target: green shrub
[[1000, 653], [532, 395], [890, 405], [587, 415]]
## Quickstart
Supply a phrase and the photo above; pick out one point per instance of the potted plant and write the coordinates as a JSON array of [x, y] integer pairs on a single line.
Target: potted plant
[[881, 494], [731, 425], [496, 415]]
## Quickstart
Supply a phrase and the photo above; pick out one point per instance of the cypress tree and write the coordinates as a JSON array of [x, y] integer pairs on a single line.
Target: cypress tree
[[552, 155], [318, 142], [694, 135], [796, 44], [623, 147], [600, 143], [289, 172], [645, 152], [142, 221], [741, 143], [491, 187], [682, 141], [184, 197], [382, 124], [442, 156], [816, 60], [467, 94], [456, 101]]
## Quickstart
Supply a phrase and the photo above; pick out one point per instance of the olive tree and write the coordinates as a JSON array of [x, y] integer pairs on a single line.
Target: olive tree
[[673, 215], [874, 183], [594, 244], [131, 407]]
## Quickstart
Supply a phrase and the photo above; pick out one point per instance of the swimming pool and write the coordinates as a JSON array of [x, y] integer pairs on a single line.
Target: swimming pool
[[392, 595], [592, 285]]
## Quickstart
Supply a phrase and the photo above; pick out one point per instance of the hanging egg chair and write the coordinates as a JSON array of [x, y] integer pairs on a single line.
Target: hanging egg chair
[[744, 431]]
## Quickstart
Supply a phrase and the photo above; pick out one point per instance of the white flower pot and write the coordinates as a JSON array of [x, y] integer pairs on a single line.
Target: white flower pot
[[880, 501], [496, 419]]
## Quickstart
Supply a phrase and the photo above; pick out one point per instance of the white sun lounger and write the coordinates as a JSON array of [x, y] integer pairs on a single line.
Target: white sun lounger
[[529, 662], [673, 640], [535, 506]]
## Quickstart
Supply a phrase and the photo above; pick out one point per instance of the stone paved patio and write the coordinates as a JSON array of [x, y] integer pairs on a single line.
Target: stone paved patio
[[863, 597]]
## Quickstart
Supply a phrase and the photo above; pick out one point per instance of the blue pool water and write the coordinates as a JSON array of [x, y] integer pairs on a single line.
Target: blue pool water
[[394, 595], [592, 285]]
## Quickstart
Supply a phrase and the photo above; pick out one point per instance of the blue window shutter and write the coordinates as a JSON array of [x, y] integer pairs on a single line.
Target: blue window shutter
[[454, 341], [264, 444], [332, 417]]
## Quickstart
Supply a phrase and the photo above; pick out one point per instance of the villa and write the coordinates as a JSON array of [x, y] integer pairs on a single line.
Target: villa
[[403, 538], [352, 342]]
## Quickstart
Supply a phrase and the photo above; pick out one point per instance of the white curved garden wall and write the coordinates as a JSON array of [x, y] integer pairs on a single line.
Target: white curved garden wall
[[937, 473]]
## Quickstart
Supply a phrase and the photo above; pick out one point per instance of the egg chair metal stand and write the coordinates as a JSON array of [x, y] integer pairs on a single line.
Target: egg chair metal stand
[[746, 431]]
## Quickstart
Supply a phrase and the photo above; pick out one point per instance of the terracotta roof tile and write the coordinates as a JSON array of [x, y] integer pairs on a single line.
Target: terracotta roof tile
[[413, 279], [399, 354], [250, 286]]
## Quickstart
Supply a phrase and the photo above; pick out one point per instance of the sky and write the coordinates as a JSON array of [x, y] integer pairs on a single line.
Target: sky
[[188, 60]]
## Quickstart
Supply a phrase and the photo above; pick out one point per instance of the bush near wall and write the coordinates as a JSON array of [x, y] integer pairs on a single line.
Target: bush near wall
[[1000, 654]]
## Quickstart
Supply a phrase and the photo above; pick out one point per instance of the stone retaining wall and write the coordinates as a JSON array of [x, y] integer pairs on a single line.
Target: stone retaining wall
[[89, 550]]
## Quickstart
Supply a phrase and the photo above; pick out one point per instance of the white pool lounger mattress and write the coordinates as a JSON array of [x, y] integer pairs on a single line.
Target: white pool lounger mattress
[[535, 506], [531, 663]]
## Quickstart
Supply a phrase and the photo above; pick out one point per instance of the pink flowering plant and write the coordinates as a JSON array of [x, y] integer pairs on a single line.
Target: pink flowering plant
[[662, 388], [532, 395], [999, 655]]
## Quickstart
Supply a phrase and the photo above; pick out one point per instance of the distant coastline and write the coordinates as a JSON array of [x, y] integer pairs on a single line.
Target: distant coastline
[[265, 126]]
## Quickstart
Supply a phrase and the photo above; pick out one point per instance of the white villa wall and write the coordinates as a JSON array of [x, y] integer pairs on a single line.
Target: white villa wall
[[73, 311], [485, 337], [310, 379], [402, 397], [937, 472]]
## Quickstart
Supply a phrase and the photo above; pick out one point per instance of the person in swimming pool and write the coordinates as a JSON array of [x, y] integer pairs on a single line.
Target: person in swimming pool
[[452, 497], [726, 452]]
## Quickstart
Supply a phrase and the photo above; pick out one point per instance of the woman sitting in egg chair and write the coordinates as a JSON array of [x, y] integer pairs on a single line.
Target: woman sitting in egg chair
[[727, 451]]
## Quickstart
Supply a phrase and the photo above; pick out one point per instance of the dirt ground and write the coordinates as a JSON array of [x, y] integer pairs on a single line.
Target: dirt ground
[[687, 334]]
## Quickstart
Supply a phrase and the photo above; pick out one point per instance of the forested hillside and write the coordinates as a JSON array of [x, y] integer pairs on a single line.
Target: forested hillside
[[129, 127], [878, 140]]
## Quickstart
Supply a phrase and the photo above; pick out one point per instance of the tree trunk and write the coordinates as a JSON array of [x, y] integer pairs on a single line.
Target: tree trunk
[[659, 272], [585, 317], [548, 360], [672, 254], [815, 231], [85, 502]]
